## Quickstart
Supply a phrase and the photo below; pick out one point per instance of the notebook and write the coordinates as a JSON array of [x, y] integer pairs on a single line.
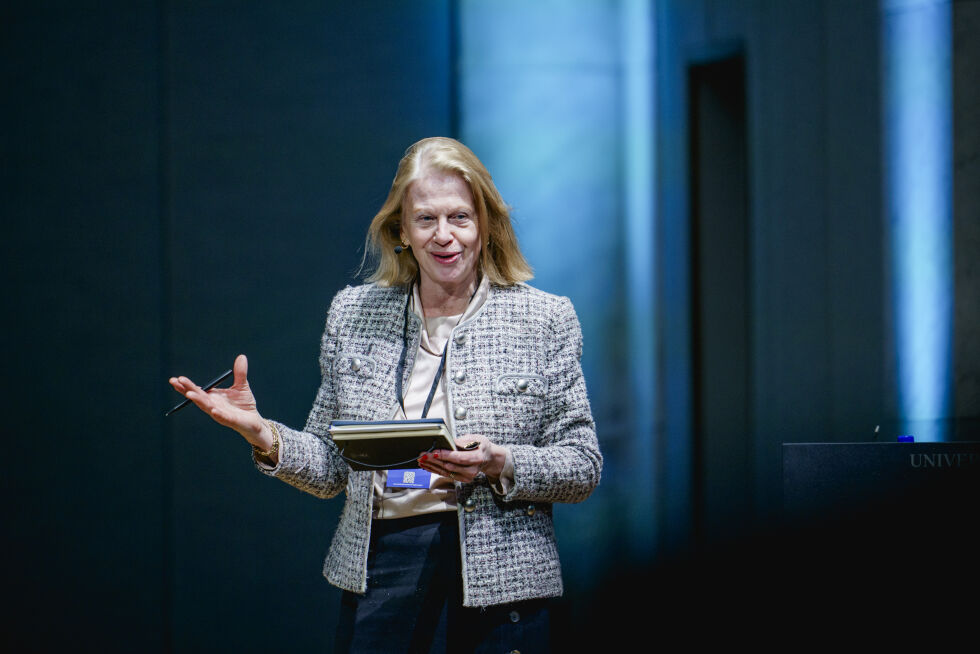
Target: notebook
[[389, 444]]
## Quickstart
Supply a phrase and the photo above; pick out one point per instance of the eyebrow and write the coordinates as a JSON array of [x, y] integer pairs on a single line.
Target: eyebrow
[[428, 210]]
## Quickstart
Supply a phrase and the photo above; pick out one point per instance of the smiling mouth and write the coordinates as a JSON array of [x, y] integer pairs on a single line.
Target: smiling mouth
[[446, 257]]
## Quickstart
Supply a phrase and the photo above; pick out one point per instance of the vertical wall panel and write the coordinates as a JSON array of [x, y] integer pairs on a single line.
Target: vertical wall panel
[[541, 105], [792, 318], [854, 217], [242, 149], [966, 226], [288, 122], [81, 346], [917, 110], [673, 279], [720, 302], [815, 231]]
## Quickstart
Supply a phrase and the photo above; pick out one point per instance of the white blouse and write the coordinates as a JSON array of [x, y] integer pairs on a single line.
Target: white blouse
[[441, 494]]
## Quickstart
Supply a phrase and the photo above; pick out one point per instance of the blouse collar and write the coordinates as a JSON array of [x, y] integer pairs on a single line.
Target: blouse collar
[[478, 300]]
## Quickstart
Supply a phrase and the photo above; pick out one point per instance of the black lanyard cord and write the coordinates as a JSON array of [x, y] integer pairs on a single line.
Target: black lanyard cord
[[400, 369], [384, 466]]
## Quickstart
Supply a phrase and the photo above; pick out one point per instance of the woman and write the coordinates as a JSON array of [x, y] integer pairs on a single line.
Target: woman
[[446, 329]]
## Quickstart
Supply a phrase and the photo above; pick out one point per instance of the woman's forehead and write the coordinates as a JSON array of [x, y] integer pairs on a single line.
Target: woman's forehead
[[435, 186]]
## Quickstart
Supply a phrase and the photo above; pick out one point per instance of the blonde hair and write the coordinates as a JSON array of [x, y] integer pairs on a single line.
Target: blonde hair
[[500, 255]]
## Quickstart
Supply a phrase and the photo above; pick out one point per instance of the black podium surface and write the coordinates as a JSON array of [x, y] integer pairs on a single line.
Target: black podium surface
[[880, 526], [830, 478], [879, 541]]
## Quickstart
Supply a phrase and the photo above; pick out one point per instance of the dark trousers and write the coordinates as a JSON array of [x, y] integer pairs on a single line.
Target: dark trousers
[[414, 599]]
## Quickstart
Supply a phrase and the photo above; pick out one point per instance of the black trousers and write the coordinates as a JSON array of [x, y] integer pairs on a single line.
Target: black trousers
[[414, 599]]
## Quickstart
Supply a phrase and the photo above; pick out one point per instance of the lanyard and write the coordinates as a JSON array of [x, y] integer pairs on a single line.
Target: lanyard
[[399, 371]]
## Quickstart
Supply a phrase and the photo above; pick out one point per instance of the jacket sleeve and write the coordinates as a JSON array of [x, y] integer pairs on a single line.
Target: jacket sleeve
[[566, 464], [309, 459]]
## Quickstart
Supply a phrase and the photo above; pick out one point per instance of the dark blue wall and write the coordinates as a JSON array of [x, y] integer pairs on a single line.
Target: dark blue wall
[[185, 181], [83, 348], [817, 337]]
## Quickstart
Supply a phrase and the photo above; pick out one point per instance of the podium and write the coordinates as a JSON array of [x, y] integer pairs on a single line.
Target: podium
[[880, 526], [825, 479]]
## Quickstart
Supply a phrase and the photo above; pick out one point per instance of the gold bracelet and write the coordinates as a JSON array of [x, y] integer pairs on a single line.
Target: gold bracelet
[[275, 443]]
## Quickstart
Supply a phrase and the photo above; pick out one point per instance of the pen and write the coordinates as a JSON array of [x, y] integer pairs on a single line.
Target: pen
[[207, 387]]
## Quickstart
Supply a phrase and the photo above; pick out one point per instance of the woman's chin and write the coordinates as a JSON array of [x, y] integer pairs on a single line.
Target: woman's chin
[[449, 277]]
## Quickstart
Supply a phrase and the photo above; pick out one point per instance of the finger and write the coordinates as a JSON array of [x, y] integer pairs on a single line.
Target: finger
[[460, 459], [177, 385], [188, 385], [200, 400], [445, 468], [437, 460], [456, 474], [196, 394], [428, 460], [430, 463], [241, 371]]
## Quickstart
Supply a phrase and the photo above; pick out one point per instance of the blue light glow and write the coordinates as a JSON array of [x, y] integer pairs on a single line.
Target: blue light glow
[[640, 191], [918, 169], [556, 99]]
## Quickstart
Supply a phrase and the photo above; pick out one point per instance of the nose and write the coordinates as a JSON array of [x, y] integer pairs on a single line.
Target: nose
[[443, 233]]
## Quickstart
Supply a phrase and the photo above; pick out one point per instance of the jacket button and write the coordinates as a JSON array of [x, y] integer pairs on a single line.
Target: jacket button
[[460, 338], [522, 385], [530, 509], [460, 376], [469, 505], [515, 616], [460, 413], [355, 365]]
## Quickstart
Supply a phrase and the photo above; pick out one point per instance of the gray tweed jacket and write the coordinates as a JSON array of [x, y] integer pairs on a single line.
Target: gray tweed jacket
[[513, 375]]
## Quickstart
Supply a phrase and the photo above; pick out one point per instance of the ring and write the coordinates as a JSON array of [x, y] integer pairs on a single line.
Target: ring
[[452, 475]]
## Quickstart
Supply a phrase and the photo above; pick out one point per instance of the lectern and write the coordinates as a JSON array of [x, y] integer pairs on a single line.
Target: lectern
[[885, 525], [822, 479]]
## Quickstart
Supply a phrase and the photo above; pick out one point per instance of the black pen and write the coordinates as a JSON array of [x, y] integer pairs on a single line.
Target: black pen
[[207, 387]]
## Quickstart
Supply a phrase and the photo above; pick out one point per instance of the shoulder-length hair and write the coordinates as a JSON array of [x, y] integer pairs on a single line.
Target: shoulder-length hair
[[500, 255]]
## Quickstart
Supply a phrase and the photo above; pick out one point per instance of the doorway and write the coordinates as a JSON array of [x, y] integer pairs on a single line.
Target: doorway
[[720, 302]]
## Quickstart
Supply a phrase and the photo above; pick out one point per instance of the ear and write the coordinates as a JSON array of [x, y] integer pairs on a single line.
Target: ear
[[401, 229], [396, 231]]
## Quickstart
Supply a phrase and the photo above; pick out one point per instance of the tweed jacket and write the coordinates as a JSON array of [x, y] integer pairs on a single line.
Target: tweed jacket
[[513, 375]]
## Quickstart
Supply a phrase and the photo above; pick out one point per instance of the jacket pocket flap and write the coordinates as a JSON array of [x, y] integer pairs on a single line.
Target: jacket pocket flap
[[521, 384]]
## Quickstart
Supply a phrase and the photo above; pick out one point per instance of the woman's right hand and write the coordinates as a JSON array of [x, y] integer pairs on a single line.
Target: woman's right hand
[[232, 407]]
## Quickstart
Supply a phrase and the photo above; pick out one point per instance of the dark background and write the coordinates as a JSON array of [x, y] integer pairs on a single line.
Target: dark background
[[184, 181]]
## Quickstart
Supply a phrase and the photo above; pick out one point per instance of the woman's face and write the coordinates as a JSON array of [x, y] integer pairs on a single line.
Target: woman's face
[[440, 223]]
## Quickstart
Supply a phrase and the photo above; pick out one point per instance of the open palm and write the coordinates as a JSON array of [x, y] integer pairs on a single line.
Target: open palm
[[232, 407]]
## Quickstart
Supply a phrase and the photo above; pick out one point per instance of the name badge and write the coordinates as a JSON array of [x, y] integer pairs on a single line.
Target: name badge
[[411, 478]]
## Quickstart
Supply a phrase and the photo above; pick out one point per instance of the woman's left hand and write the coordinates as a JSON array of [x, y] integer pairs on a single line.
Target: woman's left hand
[[464, 465]]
